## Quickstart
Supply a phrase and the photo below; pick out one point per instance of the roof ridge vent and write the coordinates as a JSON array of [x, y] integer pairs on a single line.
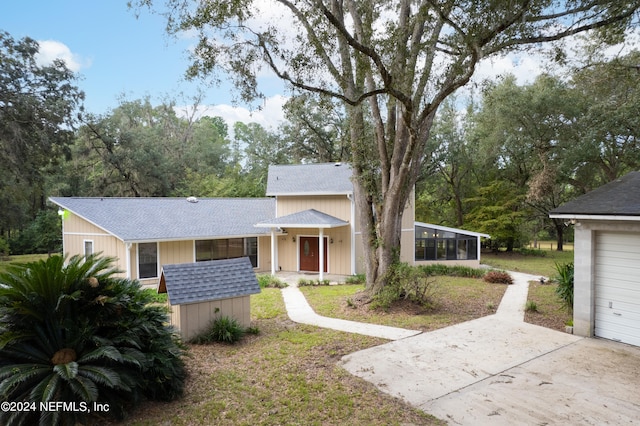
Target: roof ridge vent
[[192, 199]]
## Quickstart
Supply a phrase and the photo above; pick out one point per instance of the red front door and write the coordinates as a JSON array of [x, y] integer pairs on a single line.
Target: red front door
[[310, 254]]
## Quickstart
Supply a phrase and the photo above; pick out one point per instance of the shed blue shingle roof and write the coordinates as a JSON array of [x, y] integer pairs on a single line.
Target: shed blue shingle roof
[[206, 281], [165, 219], [310, 179]]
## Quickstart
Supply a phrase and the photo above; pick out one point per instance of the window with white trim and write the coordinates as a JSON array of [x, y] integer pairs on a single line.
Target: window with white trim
[[147, 260], [88, 248]]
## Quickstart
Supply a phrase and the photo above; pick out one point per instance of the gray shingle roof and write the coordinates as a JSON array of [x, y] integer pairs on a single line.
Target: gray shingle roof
[[618, 198], [211, 280], [306, 219], [310, 179], [165, 219]]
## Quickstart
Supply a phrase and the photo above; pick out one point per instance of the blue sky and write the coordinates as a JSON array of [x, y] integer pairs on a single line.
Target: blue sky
[[116, 53]]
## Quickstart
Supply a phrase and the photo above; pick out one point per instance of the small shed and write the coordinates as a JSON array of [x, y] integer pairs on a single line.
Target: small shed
[[202, 291]]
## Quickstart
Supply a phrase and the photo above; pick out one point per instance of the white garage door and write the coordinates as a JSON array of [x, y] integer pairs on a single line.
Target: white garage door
[[617, 286]]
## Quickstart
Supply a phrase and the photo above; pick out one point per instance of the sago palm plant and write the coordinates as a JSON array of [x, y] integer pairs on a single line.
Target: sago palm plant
[[76, 333]]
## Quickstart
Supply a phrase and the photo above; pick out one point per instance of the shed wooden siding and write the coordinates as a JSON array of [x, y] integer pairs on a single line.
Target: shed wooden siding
[[77, 231], [192, 318]]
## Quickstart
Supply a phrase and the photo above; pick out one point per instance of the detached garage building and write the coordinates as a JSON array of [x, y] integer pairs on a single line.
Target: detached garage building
[[607, 260]]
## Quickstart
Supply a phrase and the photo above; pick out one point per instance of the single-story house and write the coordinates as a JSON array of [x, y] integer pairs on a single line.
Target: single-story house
[[307, 219], [607, 260], [202, 291]]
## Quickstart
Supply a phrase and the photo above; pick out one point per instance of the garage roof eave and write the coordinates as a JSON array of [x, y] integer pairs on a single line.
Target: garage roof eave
[[579, 216]]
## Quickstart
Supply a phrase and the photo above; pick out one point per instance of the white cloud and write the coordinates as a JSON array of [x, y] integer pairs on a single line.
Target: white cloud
[[524, 67], [269, 116], [51, 50]]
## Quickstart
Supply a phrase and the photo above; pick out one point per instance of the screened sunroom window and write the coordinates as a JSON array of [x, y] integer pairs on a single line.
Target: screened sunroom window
[[435, 244]]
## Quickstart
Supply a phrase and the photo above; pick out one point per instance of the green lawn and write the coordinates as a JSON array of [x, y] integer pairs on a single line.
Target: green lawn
[[537, 265], [25, 258], [454, 300], [288, 373]]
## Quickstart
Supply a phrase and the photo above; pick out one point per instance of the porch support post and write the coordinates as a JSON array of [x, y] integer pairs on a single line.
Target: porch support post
[[321, 247], [274, 252], [127, 256]]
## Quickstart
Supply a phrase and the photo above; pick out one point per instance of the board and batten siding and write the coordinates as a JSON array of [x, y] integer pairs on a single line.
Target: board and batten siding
[[338, 252], [407, 237], [264, 254], [176, 252], [192, 318], [77, 230], [335, 205], [617, 286]]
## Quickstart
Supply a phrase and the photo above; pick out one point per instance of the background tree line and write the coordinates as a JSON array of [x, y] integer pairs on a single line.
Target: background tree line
[[499, 163], [525, 149]]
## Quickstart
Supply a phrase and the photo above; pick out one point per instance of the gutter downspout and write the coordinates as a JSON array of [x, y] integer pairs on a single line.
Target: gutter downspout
[[352, 225]]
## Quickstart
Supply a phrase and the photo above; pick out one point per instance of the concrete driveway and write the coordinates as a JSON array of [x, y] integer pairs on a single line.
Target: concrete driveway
[[496, 371]]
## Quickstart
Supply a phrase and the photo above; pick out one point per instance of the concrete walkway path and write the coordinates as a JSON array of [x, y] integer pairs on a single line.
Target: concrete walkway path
[[515, 297], [511, 308], [300, 311]]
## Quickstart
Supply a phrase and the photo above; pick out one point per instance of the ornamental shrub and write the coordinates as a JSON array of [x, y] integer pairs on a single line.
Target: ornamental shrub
[[265, 281], [452, 270], [564, 278], [409, 283], [76, 333], [222, 329]]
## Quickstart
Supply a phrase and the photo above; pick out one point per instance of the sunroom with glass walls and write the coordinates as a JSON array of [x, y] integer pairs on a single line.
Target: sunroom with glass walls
[[434, 243]]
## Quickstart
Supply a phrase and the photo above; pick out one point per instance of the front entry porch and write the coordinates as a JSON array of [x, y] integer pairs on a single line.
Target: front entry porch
[[311, 247]]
